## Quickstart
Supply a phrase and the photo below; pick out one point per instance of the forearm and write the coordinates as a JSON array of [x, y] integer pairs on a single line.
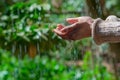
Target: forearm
[[106, 31]]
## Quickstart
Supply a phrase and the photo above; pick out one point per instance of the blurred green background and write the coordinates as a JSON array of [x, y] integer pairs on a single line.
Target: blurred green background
[[30, 50]]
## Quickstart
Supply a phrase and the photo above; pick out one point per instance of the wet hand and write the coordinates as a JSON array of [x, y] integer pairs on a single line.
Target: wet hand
[[79, 28]]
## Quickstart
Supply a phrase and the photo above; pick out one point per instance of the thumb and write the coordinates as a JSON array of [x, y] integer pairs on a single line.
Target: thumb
[[60, 26], [72, 20]]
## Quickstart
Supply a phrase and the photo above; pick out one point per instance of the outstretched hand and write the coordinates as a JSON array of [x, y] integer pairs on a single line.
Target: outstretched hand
[[79, 28]]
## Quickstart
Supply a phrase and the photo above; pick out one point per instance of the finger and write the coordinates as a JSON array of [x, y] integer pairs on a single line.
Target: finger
[[72, 20], [58, 32], [60, 26], [62, 35], [70, 27]]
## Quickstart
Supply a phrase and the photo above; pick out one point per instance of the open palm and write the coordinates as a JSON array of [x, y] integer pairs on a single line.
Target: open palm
[[79, 28]]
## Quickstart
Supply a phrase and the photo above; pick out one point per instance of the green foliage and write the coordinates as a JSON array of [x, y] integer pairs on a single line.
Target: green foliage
[[44, 68], [72, 5], [113, 7], [39, 68], [94, 71], [28, 23], [25, 22]]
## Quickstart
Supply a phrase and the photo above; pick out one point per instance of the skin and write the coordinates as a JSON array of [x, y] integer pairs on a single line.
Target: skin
[[79, 28]]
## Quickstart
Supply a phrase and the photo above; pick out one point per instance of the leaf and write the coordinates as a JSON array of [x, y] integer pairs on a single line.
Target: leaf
[[33, 7], [3, 74], [44, 37], [46, 7], [4, 18]]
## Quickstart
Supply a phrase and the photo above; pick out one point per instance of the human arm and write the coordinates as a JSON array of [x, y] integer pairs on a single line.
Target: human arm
[[83, 27], [106, 31]]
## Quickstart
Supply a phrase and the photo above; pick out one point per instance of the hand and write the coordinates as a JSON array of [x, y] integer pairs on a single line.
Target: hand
[[79, 28]]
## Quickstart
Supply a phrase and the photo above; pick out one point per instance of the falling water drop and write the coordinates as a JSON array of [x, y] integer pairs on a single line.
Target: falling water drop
[[99, 8], [13, 46], [25, 48], [13, 49], [38, 52], [19, 57], [20, 52], [38, 48]]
